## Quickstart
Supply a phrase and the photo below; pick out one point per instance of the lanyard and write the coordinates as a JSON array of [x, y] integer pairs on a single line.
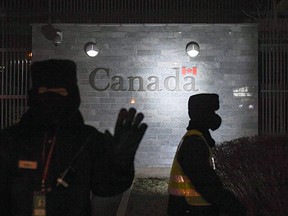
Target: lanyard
[[48, 160]]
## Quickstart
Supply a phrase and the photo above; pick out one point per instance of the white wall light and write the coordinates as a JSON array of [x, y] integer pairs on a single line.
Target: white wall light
[[192, 49], [91, 49], [58, 38]]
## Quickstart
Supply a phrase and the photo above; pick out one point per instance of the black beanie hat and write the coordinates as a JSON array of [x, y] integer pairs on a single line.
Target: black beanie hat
[[55, 73], [201, 104]]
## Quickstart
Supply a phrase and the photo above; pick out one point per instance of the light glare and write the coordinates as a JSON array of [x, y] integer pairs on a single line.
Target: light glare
[[92, 53]]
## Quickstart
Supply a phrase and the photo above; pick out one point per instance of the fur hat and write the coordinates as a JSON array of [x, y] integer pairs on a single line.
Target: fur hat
[[53, 73]]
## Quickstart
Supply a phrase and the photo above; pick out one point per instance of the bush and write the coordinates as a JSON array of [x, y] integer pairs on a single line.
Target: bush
[[256, 170]]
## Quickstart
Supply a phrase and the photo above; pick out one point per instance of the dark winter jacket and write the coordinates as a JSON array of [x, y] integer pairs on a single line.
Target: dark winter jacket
[[193, 157], [95, 169]]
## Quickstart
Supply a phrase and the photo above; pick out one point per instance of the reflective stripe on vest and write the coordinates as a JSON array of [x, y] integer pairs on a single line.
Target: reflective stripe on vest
[[180, 184]]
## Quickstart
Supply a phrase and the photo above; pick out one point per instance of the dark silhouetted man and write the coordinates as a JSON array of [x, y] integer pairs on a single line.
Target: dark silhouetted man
[[51, 161], [194, 187]]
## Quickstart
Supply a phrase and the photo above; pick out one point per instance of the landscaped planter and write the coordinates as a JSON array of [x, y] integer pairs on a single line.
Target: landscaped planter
[[256, 170]]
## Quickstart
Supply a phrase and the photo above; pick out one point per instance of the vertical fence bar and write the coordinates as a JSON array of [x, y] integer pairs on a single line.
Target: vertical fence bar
[[285, 77], [266, 81], [278, 83], [273, 88], [2, 69]]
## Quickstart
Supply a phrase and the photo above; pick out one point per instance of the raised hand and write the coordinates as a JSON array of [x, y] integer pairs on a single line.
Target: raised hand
[[128, 134]]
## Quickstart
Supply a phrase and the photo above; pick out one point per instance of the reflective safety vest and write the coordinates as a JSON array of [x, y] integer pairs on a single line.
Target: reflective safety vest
[[180, 184]]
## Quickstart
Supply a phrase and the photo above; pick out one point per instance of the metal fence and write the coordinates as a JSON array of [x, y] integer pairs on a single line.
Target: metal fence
[[273, 78], [15, 42]]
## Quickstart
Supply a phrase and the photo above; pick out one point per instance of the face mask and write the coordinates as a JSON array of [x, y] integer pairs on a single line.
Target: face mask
[[216, 122], [51, 107]]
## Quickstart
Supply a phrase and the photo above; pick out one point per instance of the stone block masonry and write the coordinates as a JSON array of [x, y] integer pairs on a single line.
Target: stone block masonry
[[145, 66]]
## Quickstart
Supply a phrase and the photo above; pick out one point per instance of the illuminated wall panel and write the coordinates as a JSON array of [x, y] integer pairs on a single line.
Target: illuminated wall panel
[[146, 66]]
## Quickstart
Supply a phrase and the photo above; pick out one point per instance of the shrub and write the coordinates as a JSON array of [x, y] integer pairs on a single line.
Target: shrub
[[256, 170]]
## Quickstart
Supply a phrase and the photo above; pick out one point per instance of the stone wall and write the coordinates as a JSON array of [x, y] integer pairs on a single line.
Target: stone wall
[[146, 67]]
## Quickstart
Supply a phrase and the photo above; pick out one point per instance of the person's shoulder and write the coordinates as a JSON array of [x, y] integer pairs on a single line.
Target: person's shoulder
[[195, 138], [89, 128], [7, 135], [193, 142], [92, 132], [9, 131]]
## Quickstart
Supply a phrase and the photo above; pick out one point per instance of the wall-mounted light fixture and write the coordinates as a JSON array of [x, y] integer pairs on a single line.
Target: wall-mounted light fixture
[[28, 55], [91, 49], [58, 37], [192, 49]]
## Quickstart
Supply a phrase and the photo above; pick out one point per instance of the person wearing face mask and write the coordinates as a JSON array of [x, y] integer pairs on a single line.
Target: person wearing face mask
[[194, 187], [51, 161]]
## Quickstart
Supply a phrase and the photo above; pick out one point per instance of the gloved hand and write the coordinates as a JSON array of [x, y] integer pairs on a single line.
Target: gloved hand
[[128, 133]]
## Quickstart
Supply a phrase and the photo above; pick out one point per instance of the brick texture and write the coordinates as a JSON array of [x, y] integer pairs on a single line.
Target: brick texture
[[226, 65]]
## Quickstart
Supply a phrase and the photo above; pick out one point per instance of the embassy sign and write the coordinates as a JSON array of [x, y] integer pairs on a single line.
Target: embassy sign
[[177, 82]]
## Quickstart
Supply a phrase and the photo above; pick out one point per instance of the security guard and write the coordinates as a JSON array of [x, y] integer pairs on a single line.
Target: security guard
[[51, 161], [194, 187]]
